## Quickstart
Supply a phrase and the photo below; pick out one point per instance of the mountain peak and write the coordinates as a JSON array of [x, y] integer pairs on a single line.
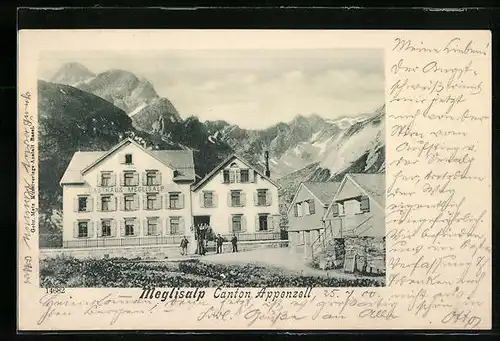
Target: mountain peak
[[71, 73]]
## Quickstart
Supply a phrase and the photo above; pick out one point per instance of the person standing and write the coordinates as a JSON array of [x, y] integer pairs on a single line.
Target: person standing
[[219, 241], [184, 246], [234, 241]]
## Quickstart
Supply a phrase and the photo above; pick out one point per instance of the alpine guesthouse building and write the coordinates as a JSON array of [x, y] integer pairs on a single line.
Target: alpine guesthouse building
[[131, 197]]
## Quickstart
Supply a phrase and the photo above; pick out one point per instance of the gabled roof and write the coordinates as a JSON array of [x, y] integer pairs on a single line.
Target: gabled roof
[[224, 163], [372, 185], [179, 160], [324, 191]]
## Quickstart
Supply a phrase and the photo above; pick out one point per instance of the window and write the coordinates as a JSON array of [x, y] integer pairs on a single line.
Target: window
[[128, 159], [299, 209], [129, 179], [129, 227], [364, 204], [82, 204], [106, 203], [208, 199], [236, 223], [263, 222], [174, 199], [175, 225], [83, 229], [151, 201], [152, 227], [106, 228], [151, 178], [106, 179], [244, 175], [226, 176], [129, 203], [235, 198], [262, 197], [311, 207]]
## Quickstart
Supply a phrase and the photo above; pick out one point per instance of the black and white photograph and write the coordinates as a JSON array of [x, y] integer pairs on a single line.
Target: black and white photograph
[[212, 168]]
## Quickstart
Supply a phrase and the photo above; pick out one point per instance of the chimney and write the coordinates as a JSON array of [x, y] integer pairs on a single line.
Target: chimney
[[266, 156]]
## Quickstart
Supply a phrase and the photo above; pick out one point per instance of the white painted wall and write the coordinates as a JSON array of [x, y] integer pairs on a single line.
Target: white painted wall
[[142, 161], [220, 215]]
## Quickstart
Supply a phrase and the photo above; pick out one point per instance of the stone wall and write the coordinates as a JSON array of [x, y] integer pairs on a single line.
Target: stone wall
[[369, 252], [150, 251]]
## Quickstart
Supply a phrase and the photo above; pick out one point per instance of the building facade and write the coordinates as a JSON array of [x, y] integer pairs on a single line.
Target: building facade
[[355, 220], [306, 212], [237, 198], [127, 196]]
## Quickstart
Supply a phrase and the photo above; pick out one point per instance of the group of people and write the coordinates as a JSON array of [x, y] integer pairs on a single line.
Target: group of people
[[201, 234]]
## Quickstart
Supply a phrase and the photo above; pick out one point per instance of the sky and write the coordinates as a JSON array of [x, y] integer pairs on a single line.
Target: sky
[[252, 88]]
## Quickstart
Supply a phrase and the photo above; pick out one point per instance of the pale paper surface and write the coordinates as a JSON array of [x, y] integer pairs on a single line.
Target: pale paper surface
[[438, 274]]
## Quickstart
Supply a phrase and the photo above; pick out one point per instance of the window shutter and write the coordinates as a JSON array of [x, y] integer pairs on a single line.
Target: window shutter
[[136, 227], [243, 224], [113, 179], [158, 202], [158, 179], [222, 176], [335, 209], [269, 198], [214, 199], [257, 227], [75, 229], [144, 178], [202, 199], [167, 226], [135, 203], [237, 175], [90, 204], [90, 229], [136, 179], [75, 204], [167, 201], [181, 200], [229, 199], [159, 227], [295, 210], [243, 199], [232, 176], [113, 228], [122, 180], [255, 176], [312, 206], [365, 204], [98, 203], [122, 228], [122, 202], [182, 226], [144, 201], [250, 175], [99, 228], [144, 227], [255, 198], [114, 202]]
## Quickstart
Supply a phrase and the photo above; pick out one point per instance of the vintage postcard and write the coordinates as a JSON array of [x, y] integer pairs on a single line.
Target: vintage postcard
[[251, 179]]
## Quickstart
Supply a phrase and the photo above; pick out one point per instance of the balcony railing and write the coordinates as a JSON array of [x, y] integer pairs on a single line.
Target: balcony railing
[[126, 241], [161, 240], [257, 236]]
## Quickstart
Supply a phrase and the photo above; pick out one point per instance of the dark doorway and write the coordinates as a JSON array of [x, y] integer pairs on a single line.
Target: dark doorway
[[203, 233]]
